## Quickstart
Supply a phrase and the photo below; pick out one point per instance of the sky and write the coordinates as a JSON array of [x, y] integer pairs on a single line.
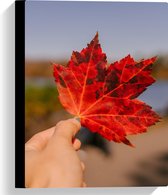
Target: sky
[[54, 29]]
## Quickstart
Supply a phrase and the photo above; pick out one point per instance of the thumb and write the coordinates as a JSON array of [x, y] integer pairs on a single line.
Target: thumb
[[67, 129]]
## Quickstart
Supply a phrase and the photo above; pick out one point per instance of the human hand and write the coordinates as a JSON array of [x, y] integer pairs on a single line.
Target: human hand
[[51, 159]]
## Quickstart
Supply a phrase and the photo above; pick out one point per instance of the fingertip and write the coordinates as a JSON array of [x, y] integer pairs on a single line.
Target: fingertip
[[67, 128], [76, 144], [76, 122]]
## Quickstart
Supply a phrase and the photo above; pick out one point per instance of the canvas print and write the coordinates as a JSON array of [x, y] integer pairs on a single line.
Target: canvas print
[[96, 94]]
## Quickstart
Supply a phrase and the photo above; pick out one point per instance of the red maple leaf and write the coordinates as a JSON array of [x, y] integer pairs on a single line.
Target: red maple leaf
[[102, 96]]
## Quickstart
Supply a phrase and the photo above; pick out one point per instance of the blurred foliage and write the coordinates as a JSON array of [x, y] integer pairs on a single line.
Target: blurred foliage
[[160, 68], [40, 103], [38, 68], [44, 68]]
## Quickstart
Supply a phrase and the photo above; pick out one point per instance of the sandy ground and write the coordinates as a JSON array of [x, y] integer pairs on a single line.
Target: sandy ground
[[146, 164]]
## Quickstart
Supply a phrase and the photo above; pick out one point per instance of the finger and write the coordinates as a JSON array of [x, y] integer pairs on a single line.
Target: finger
[[84, 184], [76, 144], [83, 166], [39, 140], [67, 129]]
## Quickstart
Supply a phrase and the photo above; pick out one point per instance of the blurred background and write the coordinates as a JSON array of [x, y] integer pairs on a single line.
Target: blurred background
[[52, 31]]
